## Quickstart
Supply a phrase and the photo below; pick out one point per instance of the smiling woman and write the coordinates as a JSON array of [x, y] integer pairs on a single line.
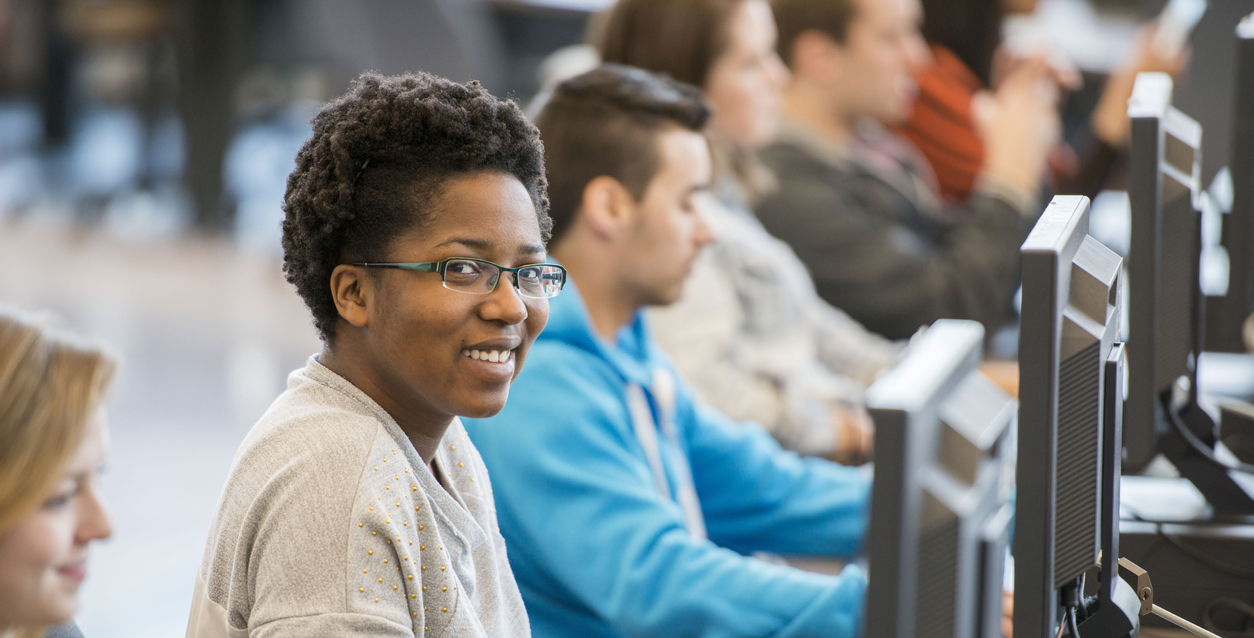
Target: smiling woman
[[363, 507], [52, 443]]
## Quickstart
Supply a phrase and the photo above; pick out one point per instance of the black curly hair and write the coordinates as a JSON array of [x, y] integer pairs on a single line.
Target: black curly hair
[[379, 157]]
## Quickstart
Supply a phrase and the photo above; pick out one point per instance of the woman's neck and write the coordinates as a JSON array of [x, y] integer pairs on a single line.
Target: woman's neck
[[423, 429], [802, 103]]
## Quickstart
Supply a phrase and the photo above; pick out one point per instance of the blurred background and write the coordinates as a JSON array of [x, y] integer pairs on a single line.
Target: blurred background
[[144, 149]]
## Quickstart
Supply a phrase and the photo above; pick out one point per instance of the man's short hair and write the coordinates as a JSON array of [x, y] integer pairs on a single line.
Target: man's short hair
[[794, 17], [606, 122], [379, 157]]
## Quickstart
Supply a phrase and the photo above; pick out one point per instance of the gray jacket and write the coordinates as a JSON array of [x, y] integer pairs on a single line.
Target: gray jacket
[[872, 231]]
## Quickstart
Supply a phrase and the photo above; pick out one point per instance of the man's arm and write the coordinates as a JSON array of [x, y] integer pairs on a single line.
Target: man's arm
[[758, 497], [585, 523]]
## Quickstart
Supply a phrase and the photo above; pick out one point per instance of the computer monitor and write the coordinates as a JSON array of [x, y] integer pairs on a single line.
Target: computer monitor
[[1069, 327], [939, 511], [1224, 332], [1164, 177], [1166, 313]]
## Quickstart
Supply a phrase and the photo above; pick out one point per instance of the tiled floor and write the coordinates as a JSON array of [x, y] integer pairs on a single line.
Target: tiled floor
[[207, 335]]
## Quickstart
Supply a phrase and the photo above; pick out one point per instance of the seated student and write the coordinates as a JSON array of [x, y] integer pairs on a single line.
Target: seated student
[[357, 506], [749, 332], [627, 505], [53, 442], [964, 54], [860, 205]]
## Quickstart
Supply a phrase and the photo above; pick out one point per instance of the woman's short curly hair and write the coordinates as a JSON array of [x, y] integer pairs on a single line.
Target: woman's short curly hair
[[379, 157]]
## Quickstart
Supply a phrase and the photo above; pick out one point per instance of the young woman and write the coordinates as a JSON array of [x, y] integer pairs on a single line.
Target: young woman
[[415, 230], [53, 441], [749, 332]]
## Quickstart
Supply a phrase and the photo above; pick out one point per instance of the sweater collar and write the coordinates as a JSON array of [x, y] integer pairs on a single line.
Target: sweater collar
[[447, 502]]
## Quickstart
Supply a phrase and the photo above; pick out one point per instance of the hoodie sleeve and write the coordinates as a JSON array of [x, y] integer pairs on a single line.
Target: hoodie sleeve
[[587, 529], [758, 497]]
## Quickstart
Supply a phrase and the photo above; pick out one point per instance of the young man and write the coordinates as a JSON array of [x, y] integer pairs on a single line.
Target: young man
[[860, 205], [627, 506]]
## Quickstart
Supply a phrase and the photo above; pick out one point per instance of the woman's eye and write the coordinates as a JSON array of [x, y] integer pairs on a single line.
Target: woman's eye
[[61, 498], [463, 268]]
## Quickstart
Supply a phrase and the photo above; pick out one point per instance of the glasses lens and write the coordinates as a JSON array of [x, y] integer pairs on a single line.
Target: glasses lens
[[541, 281], [470, 276]]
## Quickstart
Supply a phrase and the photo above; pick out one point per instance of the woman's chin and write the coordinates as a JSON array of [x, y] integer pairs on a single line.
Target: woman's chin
[[487, 406]]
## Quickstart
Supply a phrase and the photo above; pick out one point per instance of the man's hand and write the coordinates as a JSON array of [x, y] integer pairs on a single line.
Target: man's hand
[[855, 435], [1110, 121], [1007, 614], [1020, 126]]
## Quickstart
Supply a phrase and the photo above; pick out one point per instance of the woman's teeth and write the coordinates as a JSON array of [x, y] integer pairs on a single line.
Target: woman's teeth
[[493, 356]]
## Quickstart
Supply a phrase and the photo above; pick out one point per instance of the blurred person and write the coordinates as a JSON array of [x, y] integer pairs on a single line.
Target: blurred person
[[749, 331], [627, 504], [53, 443], [967, 56], [357, 506], [860, 205]]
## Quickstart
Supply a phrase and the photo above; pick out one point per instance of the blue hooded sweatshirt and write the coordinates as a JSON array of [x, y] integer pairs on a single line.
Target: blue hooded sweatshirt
[[596, 547]]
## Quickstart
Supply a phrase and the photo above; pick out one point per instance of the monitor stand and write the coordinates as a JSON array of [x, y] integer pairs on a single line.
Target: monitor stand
[[1192, 444], [1192, 440], [1117, 610], [1193, 558]]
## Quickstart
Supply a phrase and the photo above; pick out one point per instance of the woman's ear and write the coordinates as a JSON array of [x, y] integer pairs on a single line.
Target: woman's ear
[[607, 207], [353, 292]]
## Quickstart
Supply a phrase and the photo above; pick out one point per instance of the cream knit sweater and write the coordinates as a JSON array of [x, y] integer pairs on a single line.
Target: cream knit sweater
[[331, 525]]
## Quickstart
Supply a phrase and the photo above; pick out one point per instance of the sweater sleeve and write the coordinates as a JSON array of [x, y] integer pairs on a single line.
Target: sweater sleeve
[[587, 528], [701, 332], [847, 347], [879, 272], [734, 369]]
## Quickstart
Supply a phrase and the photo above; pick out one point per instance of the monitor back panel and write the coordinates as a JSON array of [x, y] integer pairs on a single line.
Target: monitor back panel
[[939, 424], [1164, 182], [1238, 235], [1071, 298]]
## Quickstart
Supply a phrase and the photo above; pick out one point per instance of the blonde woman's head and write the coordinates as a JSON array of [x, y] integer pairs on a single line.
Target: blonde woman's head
[[53, 441]]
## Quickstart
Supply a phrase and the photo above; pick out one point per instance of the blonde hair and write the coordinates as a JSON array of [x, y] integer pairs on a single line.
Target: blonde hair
[[50, 384]]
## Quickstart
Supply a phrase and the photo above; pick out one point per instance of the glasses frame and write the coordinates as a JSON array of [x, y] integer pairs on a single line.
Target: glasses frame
[[442, 266]]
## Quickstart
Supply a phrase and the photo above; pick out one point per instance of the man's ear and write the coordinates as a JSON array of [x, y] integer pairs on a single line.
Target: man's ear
[[607, 207], [353, 292]]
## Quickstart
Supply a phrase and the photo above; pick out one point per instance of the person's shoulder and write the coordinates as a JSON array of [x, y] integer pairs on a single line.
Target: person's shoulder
[[68, 630], [561, 386], [786, 156], [311, 428], [560, 364]]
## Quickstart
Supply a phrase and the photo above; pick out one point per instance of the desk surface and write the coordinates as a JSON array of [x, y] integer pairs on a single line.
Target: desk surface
[[1164, 632]]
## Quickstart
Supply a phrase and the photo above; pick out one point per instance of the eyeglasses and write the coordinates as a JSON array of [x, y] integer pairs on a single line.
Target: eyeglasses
[[479, 276]]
